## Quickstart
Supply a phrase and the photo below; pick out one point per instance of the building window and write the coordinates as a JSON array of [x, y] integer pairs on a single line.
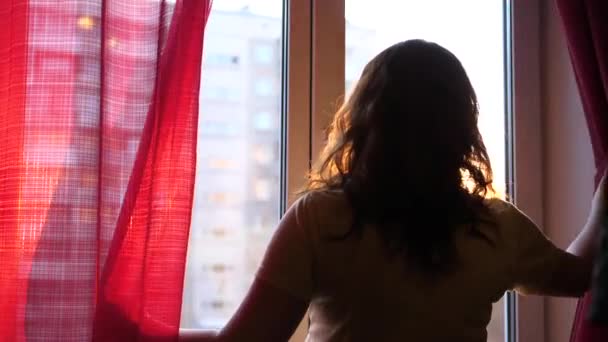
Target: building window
[[263, 154], [218, 232], [221, 164], [263, 54], [219, 59], [218, 128], [132, 146], [221, 93], [222, 198], [262, 189], [263, 87], [263, 121]]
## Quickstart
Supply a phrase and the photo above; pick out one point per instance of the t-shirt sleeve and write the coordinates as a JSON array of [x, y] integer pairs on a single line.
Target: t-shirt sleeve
[[536, 260], [288, 262]]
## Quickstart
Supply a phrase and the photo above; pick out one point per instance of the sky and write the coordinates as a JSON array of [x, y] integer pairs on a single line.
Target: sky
[[356, 8], [362, 13]]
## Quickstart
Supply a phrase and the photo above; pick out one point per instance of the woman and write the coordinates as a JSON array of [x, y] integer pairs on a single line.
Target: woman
[[395, 236]]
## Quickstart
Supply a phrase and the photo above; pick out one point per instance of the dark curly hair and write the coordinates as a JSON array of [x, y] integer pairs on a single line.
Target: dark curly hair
[[406, 151]]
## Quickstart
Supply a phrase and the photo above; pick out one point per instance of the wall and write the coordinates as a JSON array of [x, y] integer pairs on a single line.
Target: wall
[[568, 160]]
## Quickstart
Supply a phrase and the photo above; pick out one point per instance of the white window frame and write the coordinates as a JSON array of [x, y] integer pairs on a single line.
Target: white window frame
[[527, 144]]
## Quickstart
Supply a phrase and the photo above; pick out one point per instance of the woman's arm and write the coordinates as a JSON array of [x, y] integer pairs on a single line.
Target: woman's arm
[[266, 314], [575, 273], [278, 297], [542, 268]]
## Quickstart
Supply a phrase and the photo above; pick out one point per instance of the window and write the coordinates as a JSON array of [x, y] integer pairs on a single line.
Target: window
[[263, 54], [132, 146], [263, 87], [223, 242], [222, 198], [268, 151], [263, 121], [461, 27], [262, 189], [263, 154], [211, 127], [221, 164], [222, 93], [220, 59]]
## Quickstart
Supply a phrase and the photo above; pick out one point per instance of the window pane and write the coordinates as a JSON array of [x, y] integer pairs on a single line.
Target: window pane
[[473, 31], [236, 202]]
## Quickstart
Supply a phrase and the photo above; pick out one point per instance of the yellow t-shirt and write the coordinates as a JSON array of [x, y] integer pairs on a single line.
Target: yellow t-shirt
[[357, 292]]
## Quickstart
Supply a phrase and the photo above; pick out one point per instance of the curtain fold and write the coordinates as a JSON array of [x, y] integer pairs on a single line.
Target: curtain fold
[[586, 30], [13, 249], [98, 128]]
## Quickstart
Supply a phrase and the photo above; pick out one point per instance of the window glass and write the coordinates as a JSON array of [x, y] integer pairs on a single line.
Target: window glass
[[221, 59], [263, 154], [263, 87], [473, 31], [221, 164], [263, 53], [221, 93], [262, 121], [239, 116], [262, 189], [212, 127]]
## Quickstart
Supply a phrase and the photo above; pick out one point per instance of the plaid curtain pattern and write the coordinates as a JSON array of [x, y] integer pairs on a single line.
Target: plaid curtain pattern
[[98, 120]]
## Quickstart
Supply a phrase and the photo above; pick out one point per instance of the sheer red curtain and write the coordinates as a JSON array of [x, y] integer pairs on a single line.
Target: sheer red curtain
[[586, 28], [98, 129]]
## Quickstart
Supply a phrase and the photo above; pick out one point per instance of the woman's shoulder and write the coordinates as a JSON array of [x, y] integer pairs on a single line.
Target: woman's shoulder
[[498, 206], [320, 199], [513, 221], [504, 209], [325, 209]]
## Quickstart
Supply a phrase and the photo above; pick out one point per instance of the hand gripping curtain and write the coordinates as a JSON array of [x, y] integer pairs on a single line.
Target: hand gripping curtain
[[98, 128], [586, 28]]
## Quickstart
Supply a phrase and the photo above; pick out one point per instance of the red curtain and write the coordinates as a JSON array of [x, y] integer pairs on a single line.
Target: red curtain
[[98, 129], [586, 29]]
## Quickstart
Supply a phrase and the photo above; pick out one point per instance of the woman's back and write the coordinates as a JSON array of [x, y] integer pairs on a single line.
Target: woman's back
[[394, 239], [359, 292]]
